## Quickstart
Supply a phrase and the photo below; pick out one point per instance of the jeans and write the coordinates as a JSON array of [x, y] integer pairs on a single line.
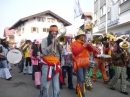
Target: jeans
[[81, 72], [67, 69], [4, 63], [45, 83]]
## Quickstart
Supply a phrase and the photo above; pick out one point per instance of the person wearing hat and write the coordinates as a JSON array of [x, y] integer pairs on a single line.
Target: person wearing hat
[[26, 51], [119, 59], [35, 56], [67, 63], [80, 53], [51, 70]]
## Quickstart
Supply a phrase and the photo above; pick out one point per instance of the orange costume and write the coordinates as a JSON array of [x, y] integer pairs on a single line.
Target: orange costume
[[100, 66], [81, 61]]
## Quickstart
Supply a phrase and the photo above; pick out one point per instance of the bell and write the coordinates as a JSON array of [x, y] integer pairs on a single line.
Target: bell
[[61, 35], [124, 44]]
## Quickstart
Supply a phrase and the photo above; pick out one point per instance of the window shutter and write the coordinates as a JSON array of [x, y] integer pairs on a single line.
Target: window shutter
[[37, 30], [31, 29]]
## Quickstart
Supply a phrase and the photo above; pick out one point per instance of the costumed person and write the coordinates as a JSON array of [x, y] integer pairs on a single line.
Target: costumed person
[[21, 63], [101, 65], [128, 64], [119, 59], [51, 70], [80, 54], [26, 51], [67, 63], [35, 55], [6, 48], [92, 64], [105, 40], [4, 71], [111, 65]]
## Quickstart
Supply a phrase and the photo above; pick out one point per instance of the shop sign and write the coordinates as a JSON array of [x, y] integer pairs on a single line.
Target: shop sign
[[110, 23]]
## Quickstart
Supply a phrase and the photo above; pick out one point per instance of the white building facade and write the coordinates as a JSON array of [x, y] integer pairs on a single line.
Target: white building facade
[[118, 14], [36, 26]]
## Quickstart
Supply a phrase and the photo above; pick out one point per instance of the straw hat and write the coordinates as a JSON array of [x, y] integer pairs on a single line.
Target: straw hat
[[80, 32]]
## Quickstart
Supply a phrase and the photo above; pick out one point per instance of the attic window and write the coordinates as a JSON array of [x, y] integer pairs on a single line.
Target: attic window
[[41, 19], [38, 19]]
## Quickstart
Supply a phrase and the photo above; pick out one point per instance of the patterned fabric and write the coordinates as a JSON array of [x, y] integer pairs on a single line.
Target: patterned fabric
[[88, 79], [66, 57], [119, 71]]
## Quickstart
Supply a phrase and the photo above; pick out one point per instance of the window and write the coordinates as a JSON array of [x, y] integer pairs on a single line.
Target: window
[[52, 20], [95, 15], [43, 19], [34, 29], [38, 19], [103, 10], [48, 29], [44, 29], [48, 20]]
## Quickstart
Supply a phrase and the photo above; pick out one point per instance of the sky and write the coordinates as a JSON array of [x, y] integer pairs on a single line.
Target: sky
[[13, 10]]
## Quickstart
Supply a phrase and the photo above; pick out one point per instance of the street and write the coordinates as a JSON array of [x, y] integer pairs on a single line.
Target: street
[[23, 86]]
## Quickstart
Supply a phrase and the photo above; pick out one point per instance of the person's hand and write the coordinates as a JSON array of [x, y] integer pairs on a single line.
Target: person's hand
[[38, 57], [1, 54], [85, 44], [54, 39]]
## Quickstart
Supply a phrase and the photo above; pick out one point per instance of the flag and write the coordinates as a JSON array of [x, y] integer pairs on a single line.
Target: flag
[[77, 9]]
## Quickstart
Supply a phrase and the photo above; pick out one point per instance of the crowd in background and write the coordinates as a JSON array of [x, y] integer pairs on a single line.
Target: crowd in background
[[47, 61]]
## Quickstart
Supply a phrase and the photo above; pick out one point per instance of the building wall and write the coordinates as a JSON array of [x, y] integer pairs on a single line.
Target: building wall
[[117, 11], [27, 33]]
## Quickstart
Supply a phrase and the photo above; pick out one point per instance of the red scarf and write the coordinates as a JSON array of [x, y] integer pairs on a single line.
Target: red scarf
[[57, 69]]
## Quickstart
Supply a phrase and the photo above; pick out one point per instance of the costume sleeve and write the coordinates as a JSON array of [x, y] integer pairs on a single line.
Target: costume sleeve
[[106, 49], [76, 50], [92, 49], [116, 55], [31, 56], [45, 48]]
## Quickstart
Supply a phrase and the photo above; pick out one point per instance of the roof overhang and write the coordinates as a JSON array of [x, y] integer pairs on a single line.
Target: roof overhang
[[48, 12]]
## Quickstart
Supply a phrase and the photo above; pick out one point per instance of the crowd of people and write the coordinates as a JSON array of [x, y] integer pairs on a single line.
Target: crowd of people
[[49, 61]]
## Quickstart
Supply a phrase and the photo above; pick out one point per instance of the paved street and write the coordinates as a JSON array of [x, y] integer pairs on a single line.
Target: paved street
[[23, 86]]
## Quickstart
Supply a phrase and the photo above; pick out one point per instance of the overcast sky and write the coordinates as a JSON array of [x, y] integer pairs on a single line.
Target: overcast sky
[[12, 10]]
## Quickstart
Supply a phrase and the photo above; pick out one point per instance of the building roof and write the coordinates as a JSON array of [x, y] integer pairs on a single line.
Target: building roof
[[48, 12], [86, 14], [8, 32]]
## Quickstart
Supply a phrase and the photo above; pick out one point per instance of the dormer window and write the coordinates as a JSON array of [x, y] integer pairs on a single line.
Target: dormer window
[[38, 19], [41, 19]]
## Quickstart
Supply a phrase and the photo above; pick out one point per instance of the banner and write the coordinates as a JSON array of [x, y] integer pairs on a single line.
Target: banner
[[77, 9]]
